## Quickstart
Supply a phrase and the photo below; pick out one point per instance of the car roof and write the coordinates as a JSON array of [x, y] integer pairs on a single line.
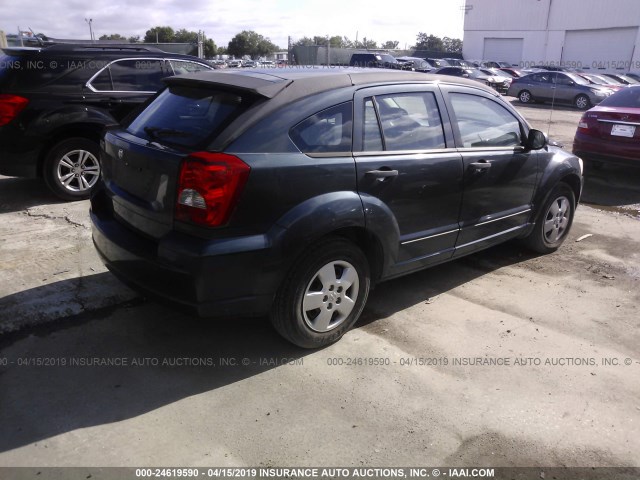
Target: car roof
[[305, 81], [287, 85]]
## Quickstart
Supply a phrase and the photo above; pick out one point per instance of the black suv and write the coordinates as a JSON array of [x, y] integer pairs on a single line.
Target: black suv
[[378, 60], [292, 192], [55, 101]]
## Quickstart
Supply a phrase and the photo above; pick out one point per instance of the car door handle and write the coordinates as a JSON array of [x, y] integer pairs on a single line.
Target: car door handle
[[480, 166], [382, 173]]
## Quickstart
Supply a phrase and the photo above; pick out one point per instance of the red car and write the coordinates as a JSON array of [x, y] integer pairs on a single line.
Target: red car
[[610, 132]]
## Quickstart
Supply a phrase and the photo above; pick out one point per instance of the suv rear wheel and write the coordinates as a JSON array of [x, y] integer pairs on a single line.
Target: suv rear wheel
[[72, 168], [323, 295]]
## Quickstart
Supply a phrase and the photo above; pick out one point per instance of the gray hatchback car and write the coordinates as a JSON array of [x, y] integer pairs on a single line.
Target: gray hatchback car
[[560, 87], [292, 193]]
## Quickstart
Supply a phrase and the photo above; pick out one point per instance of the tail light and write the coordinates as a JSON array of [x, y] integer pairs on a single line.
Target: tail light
[[10, 107], [584, 124], [208, 188]]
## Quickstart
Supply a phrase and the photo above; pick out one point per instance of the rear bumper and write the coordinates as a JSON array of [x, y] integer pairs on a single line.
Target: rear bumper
[[18, 160], [206, 277], [607, 151], [19, 153]]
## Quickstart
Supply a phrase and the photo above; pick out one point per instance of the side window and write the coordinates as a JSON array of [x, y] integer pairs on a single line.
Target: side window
[[181, 67], [540, 77], [326, 131], [371, 137], [484, 123], [561, 79], [103, 81], [137, 75], [410, 121]]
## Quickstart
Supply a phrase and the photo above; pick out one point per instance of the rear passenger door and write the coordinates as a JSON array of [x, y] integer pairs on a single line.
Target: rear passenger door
[[405, 162], [499, 173], [540, 86]]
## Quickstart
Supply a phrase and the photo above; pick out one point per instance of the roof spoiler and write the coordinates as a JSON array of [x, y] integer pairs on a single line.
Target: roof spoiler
[[261, 84]]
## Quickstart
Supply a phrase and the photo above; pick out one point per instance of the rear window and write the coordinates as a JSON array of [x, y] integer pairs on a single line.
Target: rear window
[[628, 98], [188, 117]]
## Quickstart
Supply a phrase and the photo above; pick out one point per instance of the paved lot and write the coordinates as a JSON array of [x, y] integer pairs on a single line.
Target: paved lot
[[411, 385]]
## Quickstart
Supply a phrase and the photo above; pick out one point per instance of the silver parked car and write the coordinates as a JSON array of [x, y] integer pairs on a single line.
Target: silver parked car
[[560, 87]]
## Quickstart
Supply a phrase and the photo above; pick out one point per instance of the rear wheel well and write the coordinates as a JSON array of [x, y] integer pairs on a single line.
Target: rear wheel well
[[369, 244], [89, 131]]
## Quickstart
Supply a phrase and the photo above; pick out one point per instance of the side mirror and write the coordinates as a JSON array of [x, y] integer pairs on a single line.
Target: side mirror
[[465, 75], [536, 139]]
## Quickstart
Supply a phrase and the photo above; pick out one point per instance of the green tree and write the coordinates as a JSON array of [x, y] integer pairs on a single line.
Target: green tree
[[452, 45], [113, 36], [210, 48], [185, 36], [429, 42], [250, 43], [340, 42], [134, 39], [160, 34], [391, 44], [366, 43], [303, 42]]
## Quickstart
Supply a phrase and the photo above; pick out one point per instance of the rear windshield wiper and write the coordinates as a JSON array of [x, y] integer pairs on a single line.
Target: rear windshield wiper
[[158, 132]]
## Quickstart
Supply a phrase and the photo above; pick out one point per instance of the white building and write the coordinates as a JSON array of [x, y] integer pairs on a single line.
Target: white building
[[587, 34]]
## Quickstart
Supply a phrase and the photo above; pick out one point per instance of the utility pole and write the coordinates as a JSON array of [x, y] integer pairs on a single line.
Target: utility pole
[[200, 44], [90, 21]]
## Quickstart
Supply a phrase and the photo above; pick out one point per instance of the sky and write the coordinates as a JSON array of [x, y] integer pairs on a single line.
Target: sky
[[276, 19]]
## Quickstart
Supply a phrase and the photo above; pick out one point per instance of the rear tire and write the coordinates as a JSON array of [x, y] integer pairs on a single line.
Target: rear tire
[[323, 294], [554, 220], [72, 169]]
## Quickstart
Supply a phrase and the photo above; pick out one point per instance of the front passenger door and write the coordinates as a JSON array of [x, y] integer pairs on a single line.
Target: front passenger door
[[499, 173]]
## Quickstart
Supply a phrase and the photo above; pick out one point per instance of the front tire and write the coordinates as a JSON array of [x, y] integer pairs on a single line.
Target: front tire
[[554, 221], [72, 169], [323, 295], [582, 102]]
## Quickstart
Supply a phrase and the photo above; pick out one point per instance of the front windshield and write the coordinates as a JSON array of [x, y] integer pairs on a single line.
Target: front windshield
[[500, 73], [577, 78], [608, 80], [475, 73], [629, 79], [596, 80]]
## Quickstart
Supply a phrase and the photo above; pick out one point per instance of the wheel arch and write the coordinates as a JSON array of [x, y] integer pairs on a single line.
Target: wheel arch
[[90, 131], [370, 245], [340, 214]]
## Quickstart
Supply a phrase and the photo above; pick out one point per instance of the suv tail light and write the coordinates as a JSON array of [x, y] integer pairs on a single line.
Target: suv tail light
[[209, 186], [10, 107]]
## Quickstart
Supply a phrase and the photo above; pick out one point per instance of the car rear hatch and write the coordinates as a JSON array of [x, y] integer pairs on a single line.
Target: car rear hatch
[[144, 162]]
